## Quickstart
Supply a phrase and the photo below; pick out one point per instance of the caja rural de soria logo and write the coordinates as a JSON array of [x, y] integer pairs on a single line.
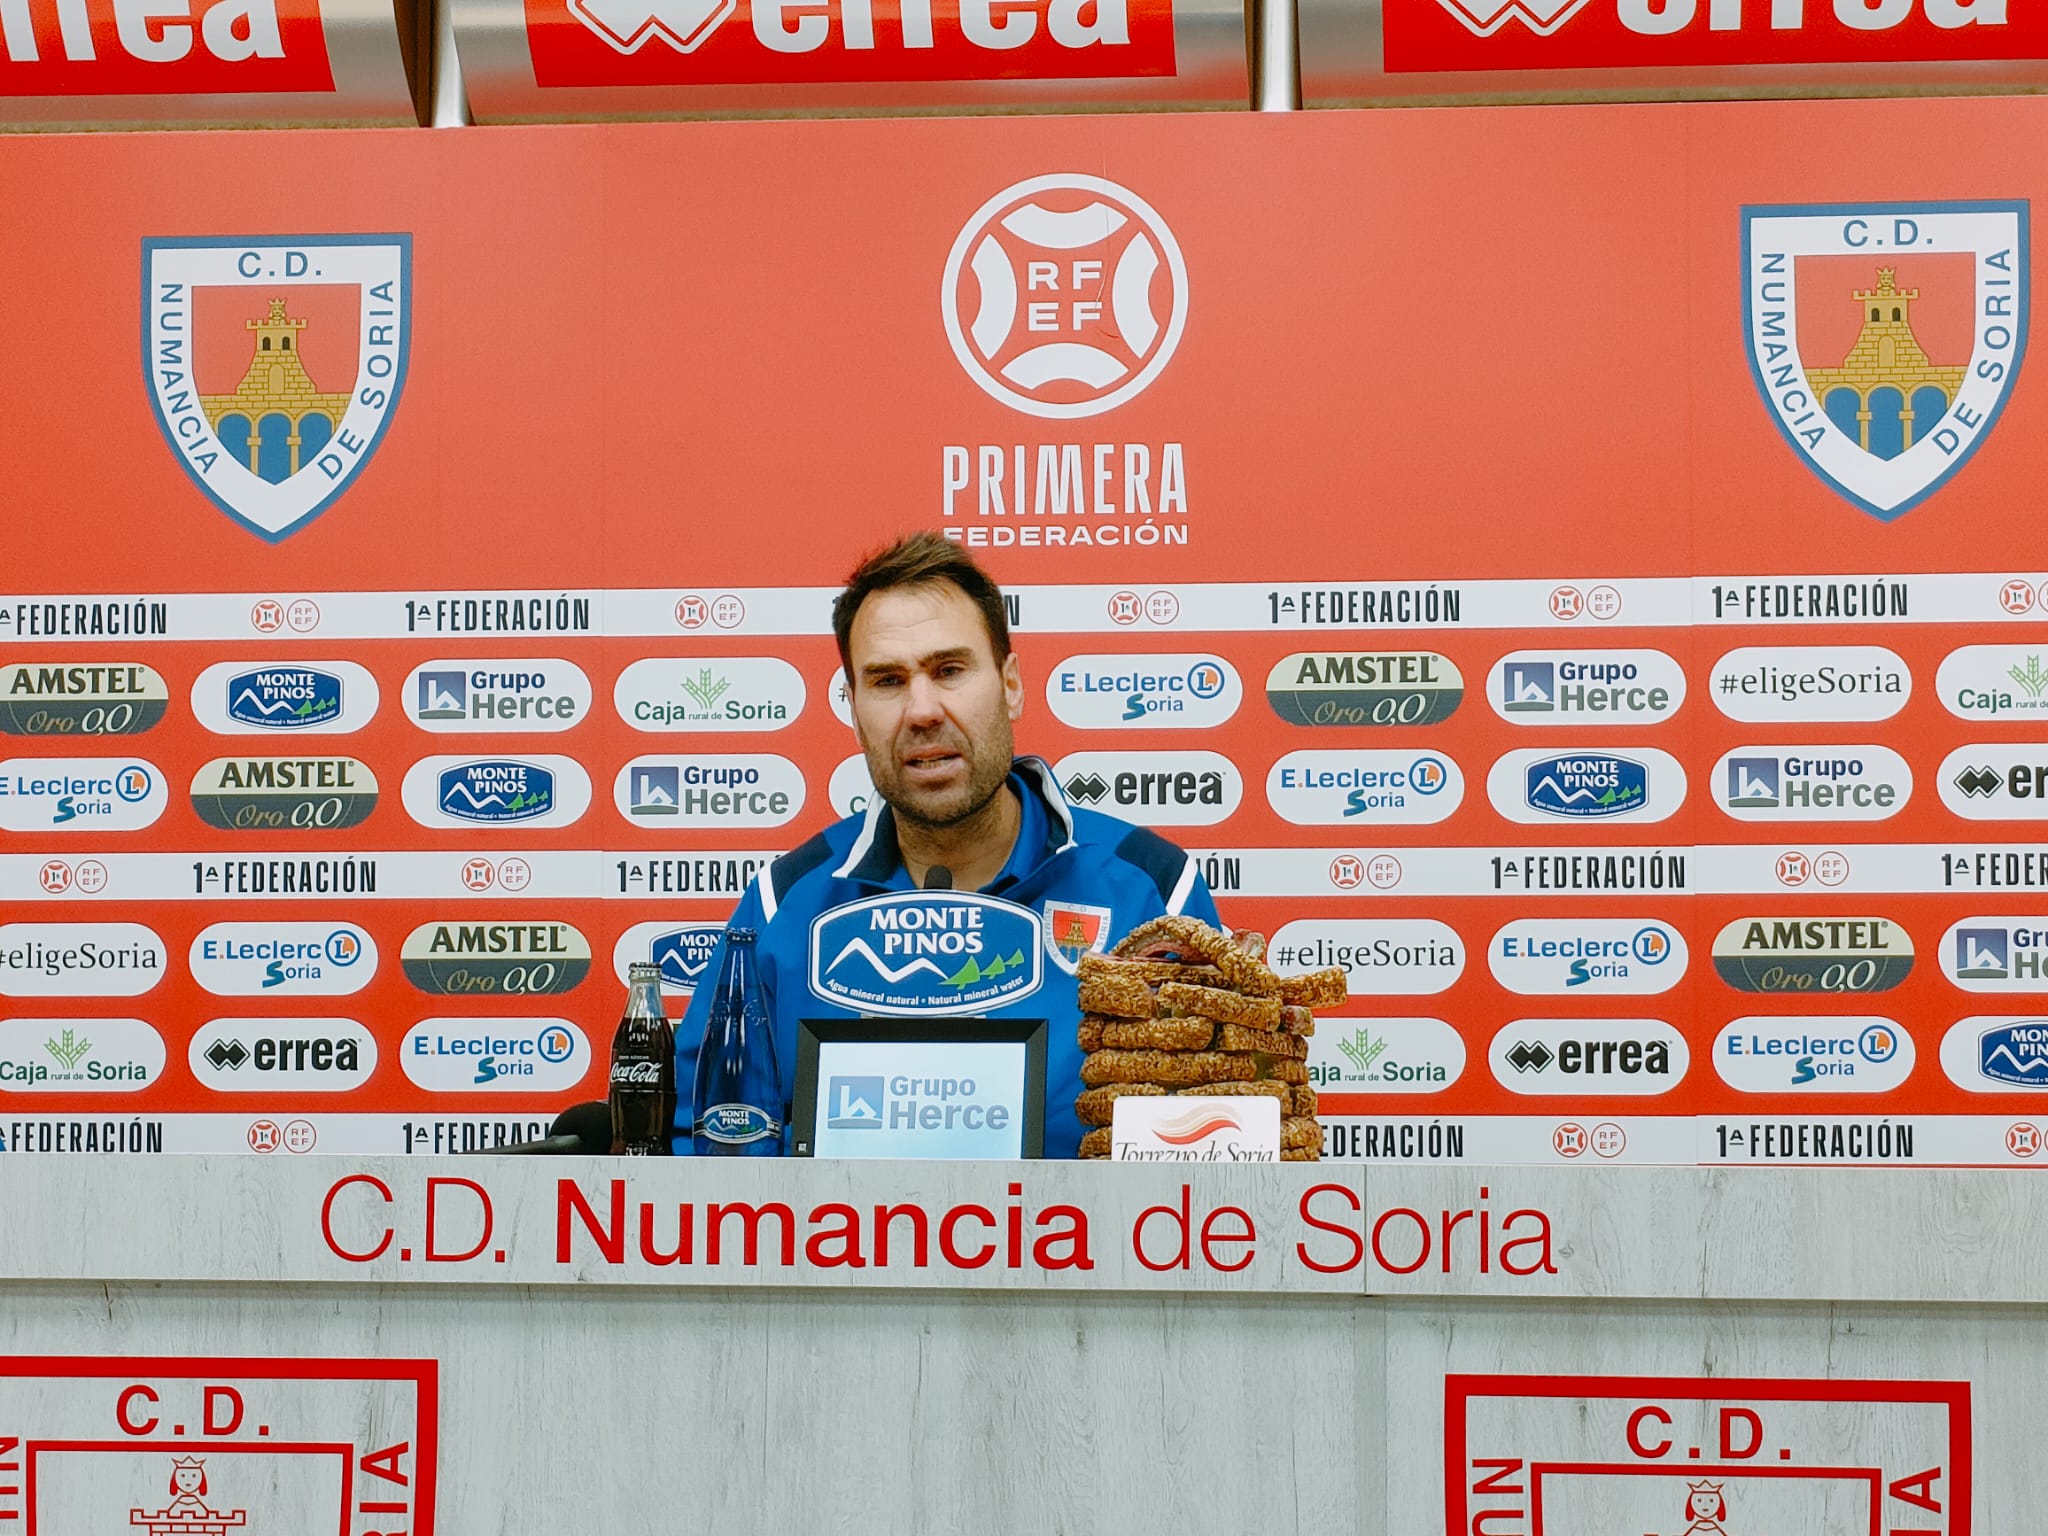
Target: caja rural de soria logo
[[275, 364], [1065, 296], [1885, 338]]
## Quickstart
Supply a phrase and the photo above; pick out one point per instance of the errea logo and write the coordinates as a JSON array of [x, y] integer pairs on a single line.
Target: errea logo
[[1064, 296]]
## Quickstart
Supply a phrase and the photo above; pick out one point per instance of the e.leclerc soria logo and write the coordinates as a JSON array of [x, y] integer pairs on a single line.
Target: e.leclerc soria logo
[[275, 364], [1064, 296]]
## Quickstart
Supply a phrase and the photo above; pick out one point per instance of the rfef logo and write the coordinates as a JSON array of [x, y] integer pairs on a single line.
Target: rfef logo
[[923, 952], [1885, 338], [779, 42], [1064, 296], [275, 365]]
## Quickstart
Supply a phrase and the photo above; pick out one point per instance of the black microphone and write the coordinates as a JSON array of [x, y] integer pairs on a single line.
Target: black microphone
[[581, 1130], [938, 878]]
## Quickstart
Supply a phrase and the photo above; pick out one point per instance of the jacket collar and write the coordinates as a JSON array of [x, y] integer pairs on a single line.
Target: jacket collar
[[875, 857]]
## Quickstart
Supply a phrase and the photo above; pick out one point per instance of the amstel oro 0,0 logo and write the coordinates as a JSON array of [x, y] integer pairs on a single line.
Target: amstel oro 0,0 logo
[[1363, 688], [495, 959], [115, 698], [284, 794], [1813, 954]]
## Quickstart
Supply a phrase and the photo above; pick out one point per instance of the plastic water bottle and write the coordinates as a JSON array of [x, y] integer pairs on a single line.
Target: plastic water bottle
[[739, 1089]]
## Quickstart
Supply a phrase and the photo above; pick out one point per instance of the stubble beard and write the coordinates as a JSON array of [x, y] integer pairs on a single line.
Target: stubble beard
[[989, 768]]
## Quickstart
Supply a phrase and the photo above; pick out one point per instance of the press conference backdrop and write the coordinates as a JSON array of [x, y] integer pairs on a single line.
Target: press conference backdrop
[[1565, 567]]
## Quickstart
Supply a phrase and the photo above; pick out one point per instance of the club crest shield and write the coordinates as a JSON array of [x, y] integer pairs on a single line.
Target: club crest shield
[[1885, 337], [275, 364], [1074, 929]]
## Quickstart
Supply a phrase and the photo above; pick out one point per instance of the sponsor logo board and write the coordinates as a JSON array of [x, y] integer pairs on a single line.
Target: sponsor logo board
[[79, 959], [114, 698], [710, 693], [1144, 691], [1154, 789], [1789, 954], [1853, 1054], [1887, 411], [275, 794], [79, 1055], [495, 1055], [914, 953], [761, 42], [683, 951], [306, 698], [489, 959], [1641, 1057], [305, 341], [753, 789], [80, 794], [1322, 688], [1592, 687], [283, 959], [2002, 683], [542, 790], [1997, 1053], [850, 790], [500, 694], [1366, 787], [1589, 956], [1806, 683], [1997, 954], [1384, 1055], [1638, 784], [275, 1055], [1995, 781], [1389, 956], [1859, 782]]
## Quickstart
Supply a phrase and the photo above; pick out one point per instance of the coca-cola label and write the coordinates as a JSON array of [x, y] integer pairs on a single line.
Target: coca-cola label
[[636, 1074], [775, 42], [735, 1125], [1429, 35], [135, 48]]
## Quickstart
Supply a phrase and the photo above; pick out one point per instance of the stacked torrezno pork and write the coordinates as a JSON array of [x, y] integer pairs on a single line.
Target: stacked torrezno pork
[[1181, 1008]]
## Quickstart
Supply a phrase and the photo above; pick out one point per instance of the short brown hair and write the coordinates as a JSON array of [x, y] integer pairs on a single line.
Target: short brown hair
[[919, 559]]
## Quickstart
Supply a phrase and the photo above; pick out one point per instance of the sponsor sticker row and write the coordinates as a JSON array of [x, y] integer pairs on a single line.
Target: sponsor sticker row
[[1124, 690]]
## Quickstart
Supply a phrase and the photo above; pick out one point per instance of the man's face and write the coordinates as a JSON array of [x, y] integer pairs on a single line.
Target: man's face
[[932, 706]]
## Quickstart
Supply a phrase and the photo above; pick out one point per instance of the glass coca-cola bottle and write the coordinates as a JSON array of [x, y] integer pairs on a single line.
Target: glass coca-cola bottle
[[643, 1084]]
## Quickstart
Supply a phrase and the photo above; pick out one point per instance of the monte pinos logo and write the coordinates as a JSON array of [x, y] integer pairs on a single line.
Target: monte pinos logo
[[275, 364], [1885, 338]]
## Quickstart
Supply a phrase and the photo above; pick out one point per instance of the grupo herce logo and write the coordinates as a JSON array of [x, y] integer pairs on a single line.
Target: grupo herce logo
[[1064, 296], [275, 364], [922, 952], [1885, 337]]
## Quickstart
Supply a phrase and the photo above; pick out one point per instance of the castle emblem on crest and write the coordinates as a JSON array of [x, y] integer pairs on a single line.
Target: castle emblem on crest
[[275, 365], [1885, 338], [188, 1513]]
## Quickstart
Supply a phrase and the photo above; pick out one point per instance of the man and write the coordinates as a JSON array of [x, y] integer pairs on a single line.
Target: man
[[935, 689]]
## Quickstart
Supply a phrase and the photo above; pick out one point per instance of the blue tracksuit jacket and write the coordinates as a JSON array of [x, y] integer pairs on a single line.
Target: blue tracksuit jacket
[[1064, 855]]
